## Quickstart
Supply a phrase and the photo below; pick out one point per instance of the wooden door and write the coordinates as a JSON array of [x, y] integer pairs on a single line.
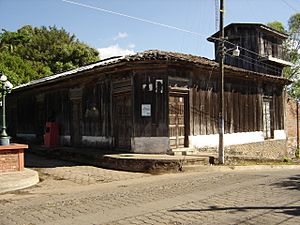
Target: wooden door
[[122, 120], [76, 117], [177, 125]]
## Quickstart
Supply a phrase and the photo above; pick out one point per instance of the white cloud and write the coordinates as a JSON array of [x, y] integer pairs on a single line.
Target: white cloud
[[114, 50], [120, 35], [131, 45]]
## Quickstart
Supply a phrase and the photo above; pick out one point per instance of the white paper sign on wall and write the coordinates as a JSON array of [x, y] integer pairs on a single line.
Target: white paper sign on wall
[[146, 110]]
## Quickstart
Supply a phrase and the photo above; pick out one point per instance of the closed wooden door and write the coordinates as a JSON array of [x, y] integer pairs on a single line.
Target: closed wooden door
[[122, 111], [177, 128]]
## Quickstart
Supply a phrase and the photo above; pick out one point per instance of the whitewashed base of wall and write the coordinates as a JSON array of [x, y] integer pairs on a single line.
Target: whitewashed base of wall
[[245, 144]]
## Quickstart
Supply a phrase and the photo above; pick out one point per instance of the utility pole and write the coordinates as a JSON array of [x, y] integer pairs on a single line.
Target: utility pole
[[221, 84]]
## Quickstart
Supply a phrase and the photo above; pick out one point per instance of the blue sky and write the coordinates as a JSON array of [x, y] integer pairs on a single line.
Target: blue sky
[[114, 34]]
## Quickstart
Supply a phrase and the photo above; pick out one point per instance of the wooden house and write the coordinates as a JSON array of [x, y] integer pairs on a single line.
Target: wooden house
[[154, 102]]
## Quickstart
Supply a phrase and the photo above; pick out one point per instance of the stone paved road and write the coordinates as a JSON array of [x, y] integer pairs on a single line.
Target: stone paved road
[[264, 197], [64, 174]]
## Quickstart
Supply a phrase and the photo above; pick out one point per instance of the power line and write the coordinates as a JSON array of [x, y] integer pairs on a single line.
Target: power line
[[290, 6], [134, 18], [250, 51], [262, 64], [258, 56], [157, 24], [217, 19], [256, 63]]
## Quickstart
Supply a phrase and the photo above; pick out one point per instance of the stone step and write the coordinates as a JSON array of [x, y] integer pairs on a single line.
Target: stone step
[[182, 151], [197, 168]]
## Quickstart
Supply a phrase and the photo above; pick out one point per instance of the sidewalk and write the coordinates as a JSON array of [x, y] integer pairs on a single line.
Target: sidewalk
[[11, 181]]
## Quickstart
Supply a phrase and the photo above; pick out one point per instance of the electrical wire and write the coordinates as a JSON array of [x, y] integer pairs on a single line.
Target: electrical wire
[[162, 25], [261, 64], [135, 18], [217, 19], [255, 64], [270, 67], [254, 53], [290, 6]]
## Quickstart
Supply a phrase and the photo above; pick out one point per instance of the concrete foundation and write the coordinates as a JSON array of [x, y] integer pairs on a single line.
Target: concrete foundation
[[268, 149], [96, 141], [150, 145]]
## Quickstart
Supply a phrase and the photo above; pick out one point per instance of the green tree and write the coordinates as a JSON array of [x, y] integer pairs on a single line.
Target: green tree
[[277, 26], [34, 52], [291, 51]]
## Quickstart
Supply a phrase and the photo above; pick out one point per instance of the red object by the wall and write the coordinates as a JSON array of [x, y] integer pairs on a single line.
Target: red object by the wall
[[51, 137]]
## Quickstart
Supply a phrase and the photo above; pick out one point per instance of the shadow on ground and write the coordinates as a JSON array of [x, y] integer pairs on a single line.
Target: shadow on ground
[[289, 210], [290, 183], [36, 161], [66, 156]]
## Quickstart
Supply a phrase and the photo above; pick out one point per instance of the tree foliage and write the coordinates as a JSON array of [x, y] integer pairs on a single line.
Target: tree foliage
[[291, 52], [277, 26], [35, 52]]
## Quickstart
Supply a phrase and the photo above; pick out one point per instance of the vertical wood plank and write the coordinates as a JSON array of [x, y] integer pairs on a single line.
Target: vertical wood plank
[[259, 110], [226, 126], [254, 103], [203, 112], [216, 112], [197, 113], [251, 108], [208, 112], [231, 109], [245, 112], [191, 110], [236, 119]]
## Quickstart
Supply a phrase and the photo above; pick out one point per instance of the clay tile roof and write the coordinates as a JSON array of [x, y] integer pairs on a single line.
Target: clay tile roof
[[149, 55]]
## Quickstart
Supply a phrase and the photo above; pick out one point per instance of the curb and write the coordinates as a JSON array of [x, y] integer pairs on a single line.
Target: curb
[[12, 181], [238, 168], [150, 164]]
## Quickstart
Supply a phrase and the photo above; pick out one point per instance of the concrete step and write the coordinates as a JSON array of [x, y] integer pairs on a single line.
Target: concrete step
[[151, 163], [12, 181], [197, 168], [182, 151]]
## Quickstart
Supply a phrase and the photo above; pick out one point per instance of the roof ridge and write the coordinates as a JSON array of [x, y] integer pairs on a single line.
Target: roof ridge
[[141, 56]]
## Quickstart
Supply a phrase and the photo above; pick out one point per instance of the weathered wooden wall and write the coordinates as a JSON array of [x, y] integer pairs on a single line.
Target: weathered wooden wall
[[56, 109], [96, 109], [26, 113], [29, 113], [242, 103], [151, 88]]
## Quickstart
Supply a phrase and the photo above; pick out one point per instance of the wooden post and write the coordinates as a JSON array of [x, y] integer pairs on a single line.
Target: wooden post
[[221, 85]]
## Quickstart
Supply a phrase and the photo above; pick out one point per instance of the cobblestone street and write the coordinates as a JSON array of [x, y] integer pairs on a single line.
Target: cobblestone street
[[76, 194]]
